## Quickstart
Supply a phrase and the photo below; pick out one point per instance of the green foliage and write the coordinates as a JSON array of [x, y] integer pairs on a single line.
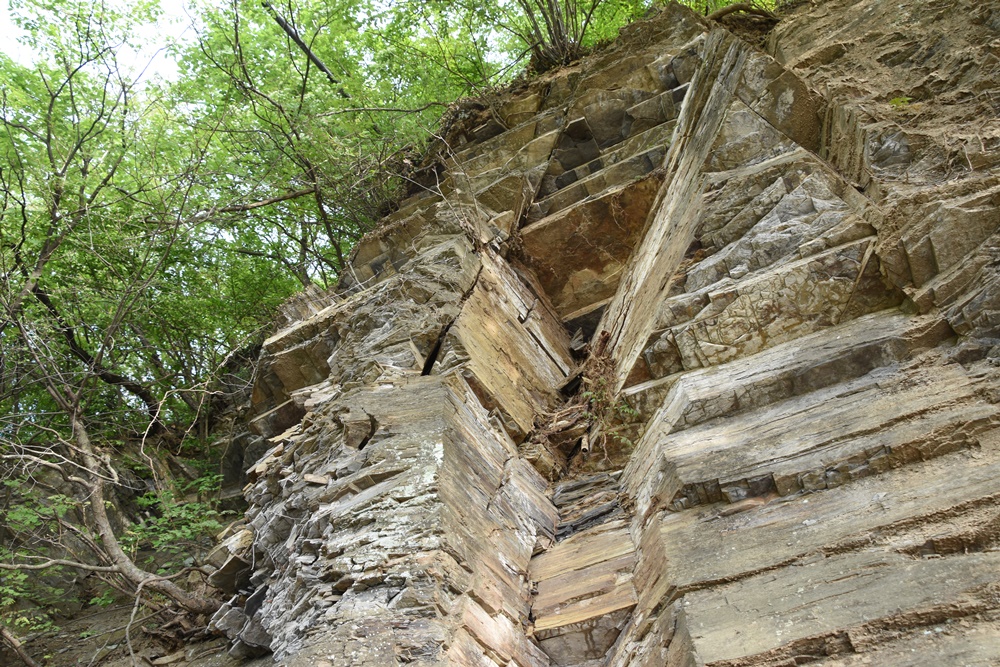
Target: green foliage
[[558, 32], [612, 415], [174, 526], [28, 510], [103, 186], [24, 600], [208, 484], [900, 102], [105, 599], [604, 408], [30, 517]]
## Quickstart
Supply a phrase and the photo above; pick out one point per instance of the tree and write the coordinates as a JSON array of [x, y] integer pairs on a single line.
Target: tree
[[149, 230], [557, 32], [313, 103]]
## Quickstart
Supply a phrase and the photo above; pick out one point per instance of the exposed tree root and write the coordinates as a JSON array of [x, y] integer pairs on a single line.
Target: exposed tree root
[[746, 7]]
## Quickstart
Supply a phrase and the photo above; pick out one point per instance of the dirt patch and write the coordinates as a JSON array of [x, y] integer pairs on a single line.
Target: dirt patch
[[111, 637], [752, 28]]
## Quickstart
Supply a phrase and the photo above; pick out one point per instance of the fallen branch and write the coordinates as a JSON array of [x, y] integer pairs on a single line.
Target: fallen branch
[[55, 562], [18, 649]]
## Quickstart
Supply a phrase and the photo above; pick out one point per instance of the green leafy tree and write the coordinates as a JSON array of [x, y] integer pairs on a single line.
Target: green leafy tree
[[313, 101], [94, 229]]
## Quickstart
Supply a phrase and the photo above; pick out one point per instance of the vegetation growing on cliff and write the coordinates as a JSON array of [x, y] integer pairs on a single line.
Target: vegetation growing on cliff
[[149, 228]]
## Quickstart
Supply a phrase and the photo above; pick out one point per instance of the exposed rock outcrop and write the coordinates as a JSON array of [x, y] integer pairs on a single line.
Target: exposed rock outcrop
[[793, 255]]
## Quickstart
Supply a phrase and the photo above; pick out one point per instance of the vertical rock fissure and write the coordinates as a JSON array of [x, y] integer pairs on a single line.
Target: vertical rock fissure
[[432, 356], [435, 351]]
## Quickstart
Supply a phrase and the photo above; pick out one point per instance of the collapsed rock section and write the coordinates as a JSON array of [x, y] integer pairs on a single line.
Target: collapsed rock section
[[791, 259]]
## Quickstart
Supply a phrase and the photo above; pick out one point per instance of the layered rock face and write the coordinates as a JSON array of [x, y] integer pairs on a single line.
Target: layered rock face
[[788, 260]]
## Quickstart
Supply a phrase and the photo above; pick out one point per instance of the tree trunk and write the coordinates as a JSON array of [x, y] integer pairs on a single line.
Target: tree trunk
[[126, 567], [16, 646]]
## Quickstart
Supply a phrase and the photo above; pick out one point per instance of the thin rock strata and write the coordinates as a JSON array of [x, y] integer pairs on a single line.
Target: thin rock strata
[[789, 259]]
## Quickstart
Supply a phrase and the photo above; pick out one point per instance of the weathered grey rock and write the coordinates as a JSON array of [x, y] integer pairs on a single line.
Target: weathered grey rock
[[584, 593], [797, 279], [232, 576]]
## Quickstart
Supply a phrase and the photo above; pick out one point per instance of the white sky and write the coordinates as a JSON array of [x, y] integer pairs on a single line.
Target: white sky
[[174, 23], [8, 37]]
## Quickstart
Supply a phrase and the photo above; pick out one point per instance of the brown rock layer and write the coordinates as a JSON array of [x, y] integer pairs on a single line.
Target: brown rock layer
[[793, 254]]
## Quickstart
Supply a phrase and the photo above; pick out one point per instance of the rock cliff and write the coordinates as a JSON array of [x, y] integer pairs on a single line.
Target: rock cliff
[[782, 262]]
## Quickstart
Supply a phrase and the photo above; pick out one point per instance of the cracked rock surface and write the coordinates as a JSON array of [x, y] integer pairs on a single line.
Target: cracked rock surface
[[788, 259]]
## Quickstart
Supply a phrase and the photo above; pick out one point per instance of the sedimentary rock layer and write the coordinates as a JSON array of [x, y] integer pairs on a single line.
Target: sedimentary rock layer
[[787, 258]]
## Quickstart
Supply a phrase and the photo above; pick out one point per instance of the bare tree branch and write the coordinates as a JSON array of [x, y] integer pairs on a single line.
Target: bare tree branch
[[389, 109], [110, 377], [294, 35], [58, 562], [237, 208]]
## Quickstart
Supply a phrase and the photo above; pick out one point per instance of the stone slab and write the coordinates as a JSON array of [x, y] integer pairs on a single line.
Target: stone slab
[[578, 253], [796, 610]]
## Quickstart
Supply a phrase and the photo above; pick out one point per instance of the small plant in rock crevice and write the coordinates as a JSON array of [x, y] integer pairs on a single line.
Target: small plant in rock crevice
[[591, 417], [610, 415]]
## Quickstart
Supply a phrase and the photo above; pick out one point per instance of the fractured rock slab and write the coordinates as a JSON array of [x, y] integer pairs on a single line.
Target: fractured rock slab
[[798, 279], [584, 593]]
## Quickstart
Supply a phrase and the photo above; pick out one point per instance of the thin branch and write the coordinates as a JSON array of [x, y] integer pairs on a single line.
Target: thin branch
[[110, 377], [237, 208], [59, 562], [46, 464], [392, 109], [293, 33]]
